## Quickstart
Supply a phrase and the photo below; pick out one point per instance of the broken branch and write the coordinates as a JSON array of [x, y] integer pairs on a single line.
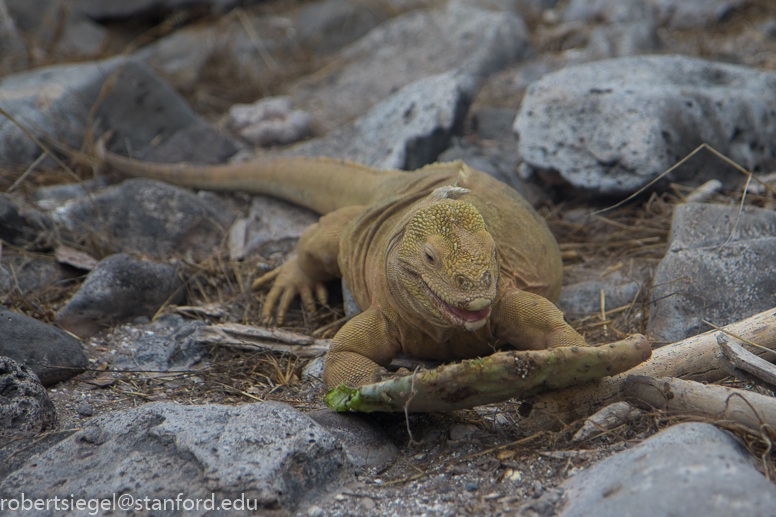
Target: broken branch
[[252, 338], [688, 397], [736, 359], [695, 358]]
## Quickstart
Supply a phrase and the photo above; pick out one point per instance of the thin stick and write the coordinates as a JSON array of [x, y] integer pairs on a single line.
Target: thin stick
[[256, 40], [678, 164], [740, 211], [26, 173]]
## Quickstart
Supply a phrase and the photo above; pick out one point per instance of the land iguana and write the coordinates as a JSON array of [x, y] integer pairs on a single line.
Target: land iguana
[[446, 262]]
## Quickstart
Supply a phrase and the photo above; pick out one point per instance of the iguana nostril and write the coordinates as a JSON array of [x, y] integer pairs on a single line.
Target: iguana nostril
[[462, 282]]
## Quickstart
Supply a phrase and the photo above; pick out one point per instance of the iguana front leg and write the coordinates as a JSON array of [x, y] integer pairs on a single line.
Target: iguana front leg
[[360, 351], [528, 321], [305, 272]]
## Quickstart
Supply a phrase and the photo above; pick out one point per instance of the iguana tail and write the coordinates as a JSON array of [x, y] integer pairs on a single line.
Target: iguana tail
[[320, 184]]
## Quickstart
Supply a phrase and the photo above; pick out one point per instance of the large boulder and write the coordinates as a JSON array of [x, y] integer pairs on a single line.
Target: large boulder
[[720, 267], [54, 355], [119, 289], [406, 131], [147, 216], [418, 44], [25, 407], [612, 126], [684, 470], [264, 457], [55, 102]]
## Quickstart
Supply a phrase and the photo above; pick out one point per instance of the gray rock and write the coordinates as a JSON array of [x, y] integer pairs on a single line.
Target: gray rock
[[188, 55], [142, 108], [54, 355], [701, 277], [25, 407], [403, 50], [488, 144], [584, 298], [198, 143], [600, 29], [365, 443], [274, 226], [120, 9], [52, 196], [182, 56], [6, 280], [349, 301], [684, 470], [20, 224], [674, 14], [16, 453], [702, 225], [168, 344], [313, 370], [406, 131], [494, 124], [55, 102], [268, 453], [463, 432], [515, 80], [498, 162], [52, 26], [85, 409], [29, 274], [52, 101], [688, 14], [119, 289], [536, 6], [607, 11], [11, 224], [610, 127], [620, 40], [328, 25], [147, 216], [185, 56], [14, 51]]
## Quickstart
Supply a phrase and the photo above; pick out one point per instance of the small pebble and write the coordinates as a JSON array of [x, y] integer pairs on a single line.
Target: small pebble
[[314, 511], [538, 489], [85, 409], [462, 432], [469, 486]]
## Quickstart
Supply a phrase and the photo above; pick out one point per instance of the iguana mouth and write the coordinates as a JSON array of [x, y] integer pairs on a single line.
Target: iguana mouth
[[470, 319]]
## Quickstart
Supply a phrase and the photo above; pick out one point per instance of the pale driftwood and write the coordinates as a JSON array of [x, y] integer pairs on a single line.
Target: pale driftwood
[[208, 310], [718, 402], [696, 358], [736, 359], [252, 338], [605, 419]]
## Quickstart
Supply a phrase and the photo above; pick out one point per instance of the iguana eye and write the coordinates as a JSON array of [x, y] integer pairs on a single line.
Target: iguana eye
[[429, 253]]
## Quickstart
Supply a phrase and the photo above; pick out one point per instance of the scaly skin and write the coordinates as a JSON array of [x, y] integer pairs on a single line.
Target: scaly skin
[[446, 262]]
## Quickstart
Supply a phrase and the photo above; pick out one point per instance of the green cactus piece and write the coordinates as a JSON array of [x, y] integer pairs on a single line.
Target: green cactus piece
[[495, 378]]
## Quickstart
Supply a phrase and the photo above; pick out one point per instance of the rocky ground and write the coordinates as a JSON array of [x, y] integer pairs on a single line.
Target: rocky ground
[[130, 363]]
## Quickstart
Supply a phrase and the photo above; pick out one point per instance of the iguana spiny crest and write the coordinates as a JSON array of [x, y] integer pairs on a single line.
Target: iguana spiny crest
[[448, 261]]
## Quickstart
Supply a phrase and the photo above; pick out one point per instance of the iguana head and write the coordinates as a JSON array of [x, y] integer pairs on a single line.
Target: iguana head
[[447, 264]]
